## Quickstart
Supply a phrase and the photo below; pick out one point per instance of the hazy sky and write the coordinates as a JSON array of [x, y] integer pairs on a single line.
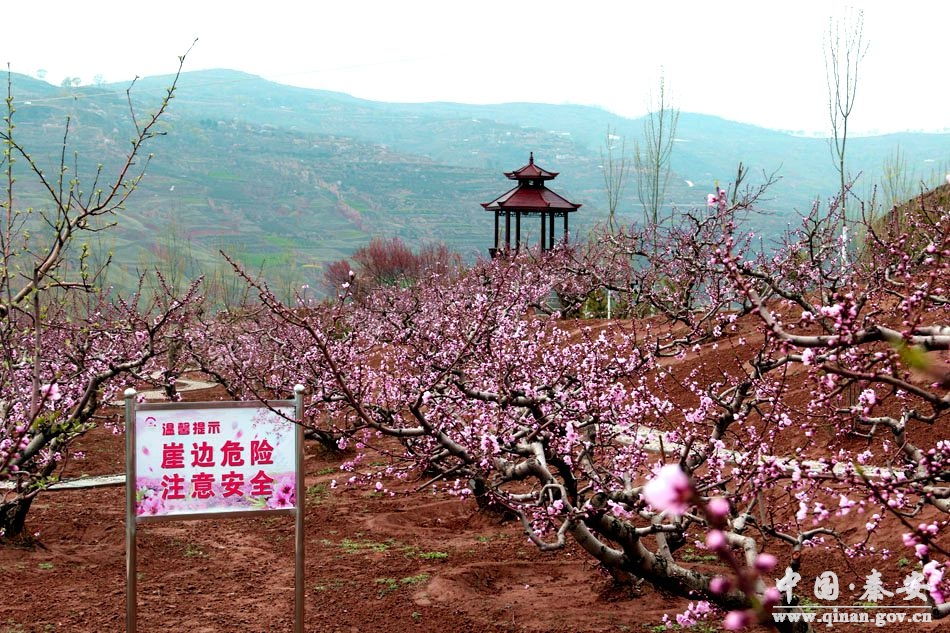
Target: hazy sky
[[759, 62]]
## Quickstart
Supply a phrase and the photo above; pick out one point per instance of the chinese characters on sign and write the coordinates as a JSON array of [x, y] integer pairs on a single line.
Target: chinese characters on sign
[[214, 460]]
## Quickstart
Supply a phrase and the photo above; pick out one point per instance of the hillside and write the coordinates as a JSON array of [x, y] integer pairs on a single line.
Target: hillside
[[290, 178]]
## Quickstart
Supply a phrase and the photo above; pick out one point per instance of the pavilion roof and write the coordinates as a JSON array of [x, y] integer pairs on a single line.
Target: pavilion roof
[[527, 199], [531, 171]]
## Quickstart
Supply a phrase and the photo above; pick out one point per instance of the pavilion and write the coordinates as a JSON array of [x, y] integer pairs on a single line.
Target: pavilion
[[529, 198]]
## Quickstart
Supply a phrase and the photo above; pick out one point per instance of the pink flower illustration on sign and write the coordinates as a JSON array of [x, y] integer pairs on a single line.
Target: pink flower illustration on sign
[[148, 502], [284, 493]]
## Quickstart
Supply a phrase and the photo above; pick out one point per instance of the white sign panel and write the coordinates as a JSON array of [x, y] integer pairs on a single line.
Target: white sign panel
[[210, 460]]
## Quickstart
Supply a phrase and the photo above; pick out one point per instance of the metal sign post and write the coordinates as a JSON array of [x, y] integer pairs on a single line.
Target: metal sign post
[[131, 588], [203, 460]]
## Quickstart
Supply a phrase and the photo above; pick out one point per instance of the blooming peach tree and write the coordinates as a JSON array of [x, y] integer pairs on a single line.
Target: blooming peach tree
[[65, 339], [755, 403], [863, 328]]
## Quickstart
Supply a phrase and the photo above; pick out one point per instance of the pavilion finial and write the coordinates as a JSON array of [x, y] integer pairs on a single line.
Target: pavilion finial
[[531, 158]]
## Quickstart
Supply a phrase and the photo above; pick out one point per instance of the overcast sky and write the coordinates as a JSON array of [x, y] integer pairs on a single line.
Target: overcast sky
[[759, 62]]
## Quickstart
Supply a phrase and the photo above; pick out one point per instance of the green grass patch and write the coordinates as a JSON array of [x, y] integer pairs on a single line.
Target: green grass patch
[[807, 604], [411, 551], [691, 556], [388, 585], [317, 493], [360, 546]]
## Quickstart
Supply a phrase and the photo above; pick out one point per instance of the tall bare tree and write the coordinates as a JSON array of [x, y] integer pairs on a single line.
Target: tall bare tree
[[652, 156], [844, 50], [615, 173]]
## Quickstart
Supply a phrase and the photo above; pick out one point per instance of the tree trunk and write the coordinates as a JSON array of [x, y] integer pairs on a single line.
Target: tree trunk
[[13, 518]]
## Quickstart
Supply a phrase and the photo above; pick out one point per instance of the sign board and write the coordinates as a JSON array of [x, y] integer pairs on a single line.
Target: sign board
[[213, 460]]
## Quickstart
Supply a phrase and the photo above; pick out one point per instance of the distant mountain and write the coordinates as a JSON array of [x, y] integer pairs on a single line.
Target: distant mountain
[[289, 179]]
